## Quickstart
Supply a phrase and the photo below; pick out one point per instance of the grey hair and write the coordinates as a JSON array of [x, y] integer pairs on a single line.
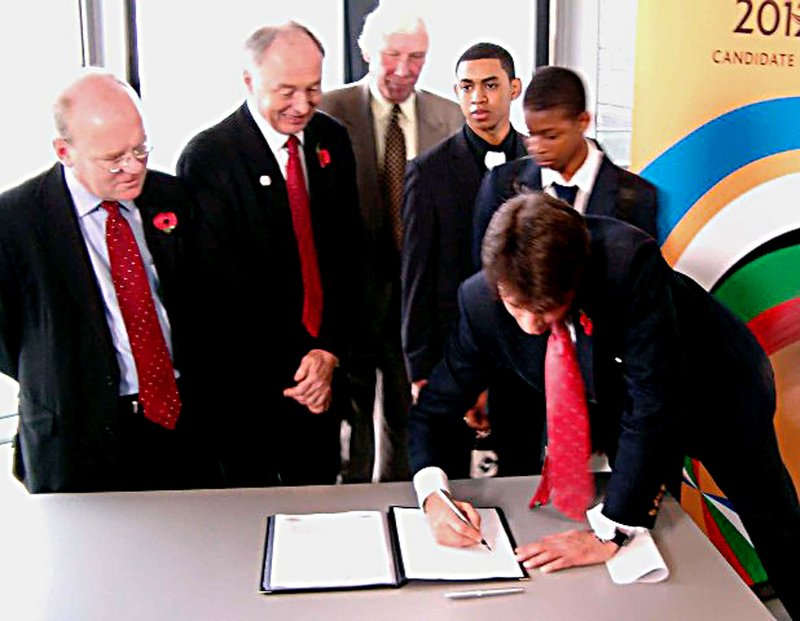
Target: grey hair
[[390, 17]]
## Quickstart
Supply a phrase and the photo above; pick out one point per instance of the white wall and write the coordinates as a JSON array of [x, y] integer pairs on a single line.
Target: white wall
[[597, 39]]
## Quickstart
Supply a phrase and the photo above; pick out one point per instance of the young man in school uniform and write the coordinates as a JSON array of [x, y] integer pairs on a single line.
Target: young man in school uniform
[[563, 162]]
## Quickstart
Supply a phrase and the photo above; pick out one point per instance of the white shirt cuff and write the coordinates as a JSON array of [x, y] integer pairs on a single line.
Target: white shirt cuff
[[638, 560], [428, 480]]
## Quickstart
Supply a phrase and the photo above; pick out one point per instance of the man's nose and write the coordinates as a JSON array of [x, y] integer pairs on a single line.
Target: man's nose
[[401, 68], [301, 102]]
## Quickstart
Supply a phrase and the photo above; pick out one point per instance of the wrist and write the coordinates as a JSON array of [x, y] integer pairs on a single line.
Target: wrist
[[618, 539]]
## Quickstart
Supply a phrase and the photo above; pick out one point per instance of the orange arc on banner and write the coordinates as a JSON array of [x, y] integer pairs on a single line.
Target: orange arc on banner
[[731, 187]]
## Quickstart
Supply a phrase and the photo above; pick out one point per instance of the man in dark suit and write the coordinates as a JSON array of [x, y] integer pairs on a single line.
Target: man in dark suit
[[666, 370], [279, 239], [99, 405], [563, 162], [440, 192], [394, 42]]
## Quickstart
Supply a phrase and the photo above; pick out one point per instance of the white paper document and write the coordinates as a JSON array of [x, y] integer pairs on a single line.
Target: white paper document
[[331, 550], [424, 559]]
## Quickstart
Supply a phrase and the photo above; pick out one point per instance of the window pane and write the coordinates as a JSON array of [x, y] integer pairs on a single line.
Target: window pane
[[40, 44], [190, 60]]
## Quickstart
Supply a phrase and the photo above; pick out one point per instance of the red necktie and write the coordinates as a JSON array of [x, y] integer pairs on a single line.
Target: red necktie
[[158, 391], [566, 465], [303, 232]]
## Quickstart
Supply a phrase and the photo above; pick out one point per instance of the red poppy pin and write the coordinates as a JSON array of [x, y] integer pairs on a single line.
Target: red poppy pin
[[165, 221], [586, 324], [324, 156]]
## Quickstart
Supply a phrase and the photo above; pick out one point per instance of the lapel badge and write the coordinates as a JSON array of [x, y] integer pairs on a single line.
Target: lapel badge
[[265, 180]]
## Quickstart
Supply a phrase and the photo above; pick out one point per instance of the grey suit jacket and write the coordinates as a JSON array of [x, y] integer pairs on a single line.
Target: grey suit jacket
[[438, 118]]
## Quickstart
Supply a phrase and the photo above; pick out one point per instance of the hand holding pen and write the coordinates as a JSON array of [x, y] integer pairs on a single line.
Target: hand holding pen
[[454, 523]]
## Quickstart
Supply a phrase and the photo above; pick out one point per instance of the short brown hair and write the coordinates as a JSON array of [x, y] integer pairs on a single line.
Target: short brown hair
[[536, 248]]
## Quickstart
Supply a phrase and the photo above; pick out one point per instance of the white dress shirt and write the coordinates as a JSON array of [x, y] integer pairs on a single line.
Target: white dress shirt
[[92, 221], [583, 178], [276, 142]]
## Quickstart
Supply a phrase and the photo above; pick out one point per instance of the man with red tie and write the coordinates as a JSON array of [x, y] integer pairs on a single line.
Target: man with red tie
[[93, 292], [279, 235], [634, 360]]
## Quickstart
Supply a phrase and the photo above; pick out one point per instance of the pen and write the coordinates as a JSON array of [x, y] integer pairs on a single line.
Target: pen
[[483, 593], [446, 499]]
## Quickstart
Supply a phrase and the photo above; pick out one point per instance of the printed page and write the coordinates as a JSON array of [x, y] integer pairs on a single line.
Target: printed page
[[424, 559], [330, 550]]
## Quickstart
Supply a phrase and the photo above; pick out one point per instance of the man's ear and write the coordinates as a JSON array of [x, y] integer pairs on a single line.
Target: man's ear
[[584, 118], [516, 88], [61, 147], [248, 80]]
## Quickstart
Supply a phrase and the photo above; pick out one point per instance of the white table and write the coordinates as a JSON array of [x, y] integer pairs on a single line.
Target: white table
[[197, 555]]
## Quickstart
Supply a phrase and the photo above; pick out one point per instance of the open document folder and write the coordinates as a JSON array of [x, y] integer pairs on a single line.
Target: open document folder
[[360, 549]]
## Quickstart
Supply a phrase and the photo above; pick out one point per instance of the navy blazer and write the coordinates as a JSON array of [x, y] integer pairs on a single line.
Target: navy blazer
[[617, 193], [666, 368], [440, 190], [54, 336]]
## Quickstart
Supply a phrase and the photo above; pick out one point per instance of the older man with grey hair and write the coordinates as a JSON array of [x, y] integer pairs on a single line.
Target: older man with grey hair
[[390, 121], [278, 237]]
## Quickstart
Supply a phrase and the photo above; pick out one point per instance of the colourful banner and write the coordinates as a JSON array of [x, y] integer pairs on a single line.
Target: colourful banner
[[716, 126]]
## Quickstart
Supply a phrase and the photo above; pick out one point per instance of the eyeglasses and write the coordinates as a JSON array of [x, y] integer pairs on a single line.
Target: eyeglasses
[[117, 165]]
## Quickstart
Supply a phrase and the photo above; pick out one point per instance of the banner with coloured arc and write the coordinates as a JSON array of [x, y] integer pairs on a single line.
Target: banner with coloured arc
[[716, 127]]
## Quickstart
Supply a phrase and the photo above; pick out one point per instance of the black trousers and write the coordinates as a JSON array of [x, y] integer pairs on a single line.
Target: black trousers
[[147, 456]]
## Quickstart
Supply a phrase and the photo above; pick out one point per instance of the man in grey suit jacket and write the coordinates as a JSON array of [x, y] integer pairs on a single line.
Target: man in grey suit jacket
[[395, 45]]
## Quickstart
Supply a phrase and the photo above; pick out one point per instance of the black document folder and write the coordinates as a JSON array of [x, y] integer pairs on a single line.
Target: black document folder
[[365, 549]]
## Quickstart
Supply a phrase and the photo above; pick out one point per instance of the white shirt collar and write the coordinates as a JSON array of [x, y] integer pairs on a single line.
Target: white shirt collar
[[585, 175], [275, 139], [85, 202]]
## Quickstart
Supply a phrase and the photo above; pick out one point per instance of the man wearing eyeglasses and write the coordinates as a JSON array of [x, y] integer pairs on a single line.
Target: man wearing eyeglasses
[[91, 288]]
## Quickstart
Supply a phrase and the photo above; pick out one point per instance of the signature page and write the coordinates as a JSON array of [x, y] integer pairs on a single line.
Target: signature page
[[424, 559]]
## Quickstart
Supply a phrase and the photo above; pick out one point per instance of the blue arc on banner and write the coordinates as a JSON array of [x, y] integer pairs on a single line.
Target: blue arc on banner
[[700, 160]]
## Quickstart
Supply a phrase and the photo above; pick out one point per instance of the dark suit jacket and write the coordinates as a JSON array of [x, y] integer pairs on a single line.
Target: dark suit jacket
[[437, 118], [667, 369], [617, 193], [249, 249], [440, 189], [54, 336]]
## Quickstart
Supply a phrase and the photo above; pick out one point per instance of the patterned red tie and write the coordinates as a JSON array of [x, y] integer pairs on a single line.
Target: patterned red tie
[[158, 392], [304, 233], [566, 466]]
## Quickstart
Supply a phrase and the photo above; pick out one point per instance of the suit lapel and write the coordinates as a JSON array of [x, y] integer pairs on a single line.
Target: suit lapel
[[464, 169], [530, 176], [429, 124], [317, 179], [362, 138], [603, 199], [61, 237], [520, 151], [164, 247], [264, 175]]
